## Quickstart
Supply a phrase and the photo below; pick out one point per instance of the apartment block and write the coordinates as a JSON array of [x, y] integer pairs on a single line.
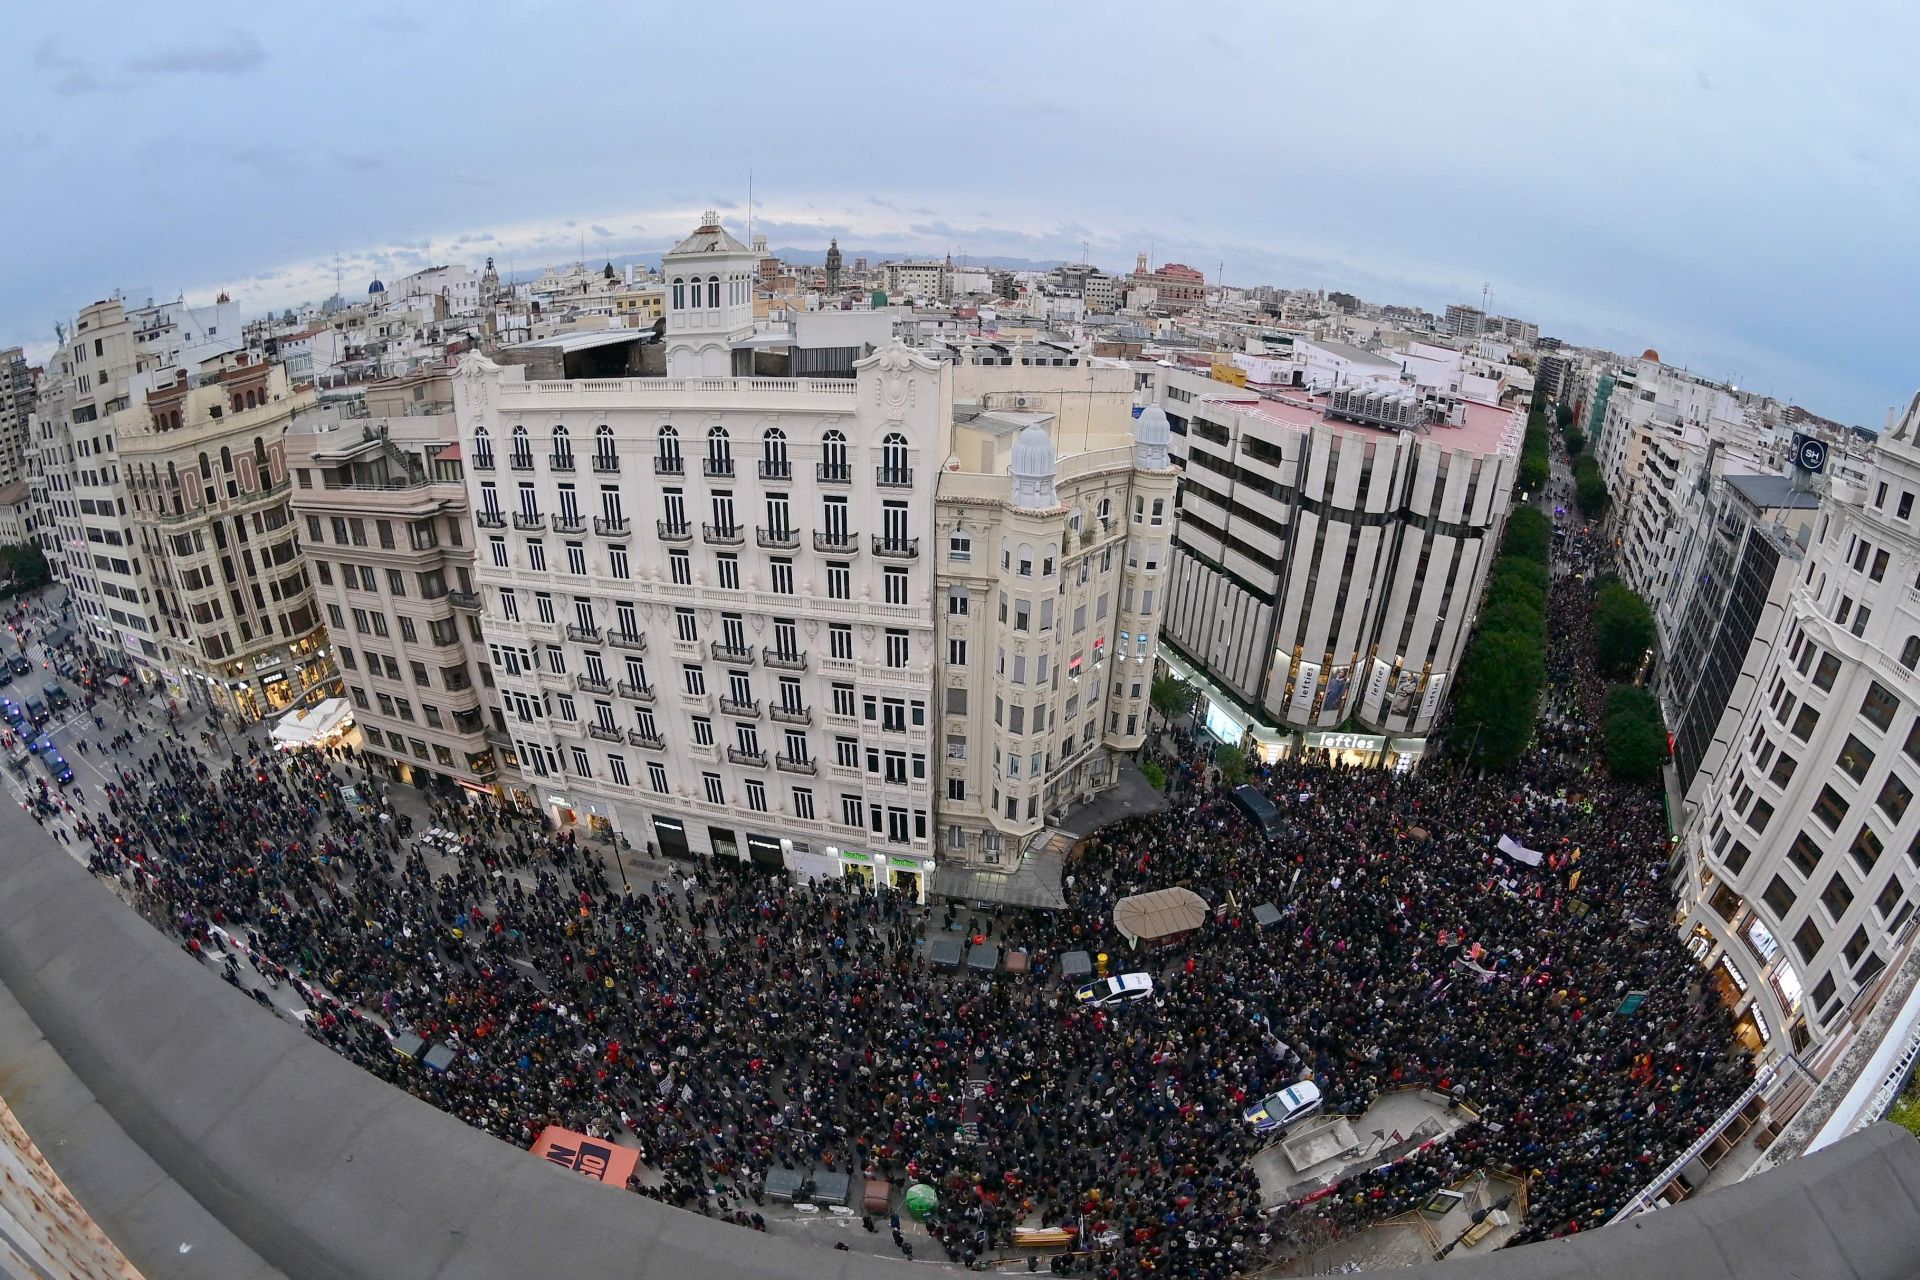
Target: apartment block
[[207, 490], [380, 494]]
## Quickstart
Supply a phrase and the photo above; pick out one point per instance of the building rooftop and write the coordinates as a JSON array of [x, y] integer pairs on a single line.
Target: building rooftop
[[1765, 491], [1487, 426], [1347, 351], [585, 340]]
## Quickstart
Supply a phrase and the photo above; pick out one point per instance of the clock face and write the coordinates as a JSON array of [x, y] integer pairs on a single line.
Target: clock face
[[1813, 454]]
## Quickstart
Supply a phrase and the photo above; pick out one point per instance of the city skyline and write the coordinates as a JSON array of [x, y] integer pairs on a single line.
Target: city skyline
[[1614, 177]]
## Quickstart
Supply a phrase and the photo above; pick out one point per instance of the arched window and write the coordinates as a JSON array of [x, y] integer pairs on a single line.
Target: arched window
[[206, 467], [1159, 515], [522, 450], [562, 448], [713, 291], [1910, 653], [226, 460], [605, 456], [680, 293], [833, 457], [1026, 560], [668, 462], [1106, 511], [893, 460], [173, 477], [260, 456], [773, 455], [482, 449], [719, 452]]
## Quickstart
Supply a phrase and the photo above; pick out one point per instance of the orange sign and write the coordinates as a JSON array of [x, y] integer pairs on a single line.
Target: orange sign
[[594, 1157]]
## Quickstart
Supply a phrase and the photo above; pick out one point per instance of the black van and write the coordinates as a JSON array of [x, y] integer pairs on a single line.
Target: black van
[[38, 712], [1259, 810]]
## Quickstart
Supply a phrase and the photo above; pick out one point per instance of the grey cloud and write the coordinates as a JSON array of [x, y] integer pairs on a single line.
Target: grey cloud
[[360, 163], [598, 230], [239, 53], [266, 159]]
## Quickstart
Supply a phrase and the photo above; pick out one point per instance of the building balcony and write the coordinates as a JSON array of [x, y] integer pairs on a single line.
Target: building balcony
[[674, 466], [561, 461], [896, 548], [529, 522], [613, 526], [635, 692], [723, 535], [466, 601], [590, 684], [776, 469], [674, 532], [482, 462], [737, 755], [489, 519], [776, 539], [635, 640], [833, 472], [840, 543], [790, 715], [784, 661], [651, 741], [569, 524], [717, 468], [788, 764], [604, 732], [893, 477], [520, 461], [738, 654], [577, 632], [749, 710], [606, 464]]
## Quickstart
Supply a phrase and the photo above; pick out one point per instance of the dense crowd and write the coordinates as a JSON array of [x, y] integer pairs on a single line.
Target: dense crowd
[[727, 1023]]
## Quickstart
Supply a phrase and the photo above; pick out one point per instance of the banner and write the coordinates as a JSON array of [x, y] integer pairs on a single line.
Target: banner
[[1430, 705], [1336, 689], [592, 1156], [1520, 853], [1376, 687], [1304, 686]]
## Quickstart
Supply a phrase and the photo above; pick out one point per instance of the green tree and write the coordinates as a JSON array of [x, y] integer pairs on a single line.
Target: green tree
[[1344, 301], [1589, 489], [1635, 738], [1576, 441], [25, 566], [1623, 630], [1232, 763], [1171, 698], [1498, 695], [1529, 535], [1563, 414]]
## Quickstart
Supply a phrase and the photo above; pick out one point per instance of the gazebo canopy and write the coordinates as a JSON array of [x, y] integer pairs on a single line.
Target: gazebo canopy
[[1160, 914]]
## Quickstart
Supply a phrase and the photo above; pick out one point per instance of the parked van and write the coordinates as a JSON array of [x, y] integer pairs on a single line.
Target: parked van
[[1259, 810]]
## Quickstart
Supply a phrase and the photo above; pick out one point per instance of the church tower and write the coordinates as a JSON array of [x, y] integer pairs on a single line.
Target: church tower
[[709, 303], [833, 266]]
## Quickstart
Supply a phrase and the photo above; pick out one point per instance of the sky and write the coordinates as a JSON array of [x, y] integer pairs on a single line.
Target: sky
[[1733, 184]]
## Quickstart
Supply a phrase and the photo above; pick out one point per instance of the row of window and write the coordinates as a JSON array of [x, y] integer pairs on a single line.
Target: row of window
[[895, 453]]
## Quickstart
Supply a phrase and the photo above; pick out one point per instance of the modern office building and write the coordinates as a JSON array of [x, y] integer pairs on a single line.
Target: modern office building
[[708, 600], [16, 415], [1464, 321], [380, 494], [1330, 556], [207, 491], [1800, 880]]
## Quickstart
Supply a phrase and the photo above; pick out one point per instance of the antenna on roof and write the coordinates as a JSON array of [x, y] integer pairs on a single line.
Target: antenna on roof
[[749, 204], [1486, 296]]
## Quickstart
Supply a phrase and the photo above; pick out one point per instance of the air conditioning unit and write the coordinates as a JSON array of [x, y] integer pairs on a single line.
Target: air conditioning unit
[[1020, 402]]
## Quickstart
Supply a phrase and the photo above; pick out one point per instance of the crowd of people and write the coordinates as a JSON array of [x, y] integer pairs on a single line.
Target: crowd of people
[[726, 1023]]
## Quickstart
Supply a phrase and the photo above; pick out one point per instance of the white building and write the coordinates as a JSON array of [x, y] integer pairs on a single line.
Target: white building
[[1801, 881], [1330, 556], [1054, 527], [708, 608]]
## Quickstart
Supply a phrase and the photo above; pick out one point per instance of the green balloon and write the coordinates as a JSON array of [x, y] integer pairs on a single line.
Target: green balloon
[[920, 1200]]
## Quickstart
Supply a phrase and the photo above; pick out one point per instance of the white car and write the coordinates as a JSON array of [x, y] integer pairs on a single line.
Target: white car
[[1275, 1112], [1124, 989]]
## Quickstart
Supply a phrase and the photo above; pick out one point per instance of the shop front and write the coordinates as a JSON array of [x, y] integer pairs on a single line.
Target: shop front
[[1362, 750], [724, 843], [855, 865], [766, 854], [561, 810], [671, 835], [910, 875]]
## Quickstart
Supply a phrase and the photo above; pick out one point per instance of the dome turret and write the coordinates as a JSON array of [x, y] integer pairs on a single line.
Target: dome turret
[[1034, 467], [1152, 433]]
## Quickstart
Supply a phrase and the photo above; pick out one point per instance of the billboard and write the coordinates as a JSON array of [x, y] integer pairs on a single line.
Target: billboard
[[595, 1157]]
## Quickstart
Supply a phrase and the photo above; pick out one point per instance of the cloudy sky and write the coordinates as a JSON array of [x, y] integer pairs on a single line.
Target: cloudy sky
[[1733, 183]]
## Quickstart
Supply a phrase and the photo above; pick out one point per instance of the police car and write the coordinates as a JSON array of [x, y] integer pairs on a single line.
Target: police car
[[1124, 989], [1276, 1111]]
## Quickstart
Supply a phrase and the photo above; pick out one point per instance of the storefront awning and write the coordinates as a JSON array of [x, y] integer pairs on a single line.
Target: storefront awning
[[1035, 884], [298, 728]]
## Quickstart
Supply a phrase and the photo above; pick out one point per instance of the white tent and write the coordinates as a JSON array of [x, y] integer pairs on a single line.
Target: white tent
[[313, 724]]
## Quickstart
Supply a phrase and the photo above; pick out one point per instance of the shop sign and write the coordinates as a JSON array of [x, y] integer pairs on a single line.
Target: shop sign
[[904, 864], [1346, 741], [851, 855]]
